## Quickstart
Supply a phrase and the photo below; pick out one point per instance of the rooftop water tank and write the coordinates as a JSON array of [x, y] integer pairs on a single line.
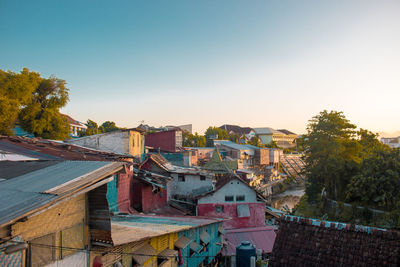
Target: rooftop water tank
[[243, 254]]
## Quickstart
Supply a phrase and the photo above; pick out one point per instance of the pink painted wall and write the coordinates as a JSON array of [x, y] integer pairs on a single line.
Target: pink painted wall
[[124, 192], [163, 140], [145, 200], [152, 201], [257, 214]]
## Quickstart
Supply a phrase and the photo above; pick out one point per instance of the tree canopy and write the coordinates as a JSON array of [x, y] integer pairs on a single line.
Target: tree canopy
[[215, 132], [16, 90], [34, 102], [193, 140]]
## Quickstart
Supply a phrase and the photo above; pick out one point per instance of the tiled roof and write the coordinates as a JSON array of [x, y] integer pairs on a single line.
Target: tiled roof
[[236, 129], [311, 242]]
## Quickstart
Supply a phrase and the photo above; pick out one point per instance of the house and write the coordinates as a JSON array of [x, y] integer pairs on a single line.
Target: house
[[246, 132], [283, 139], [75, 127], [127, 142], [201, 154], [393, 142], [145, 240], [311, 242], [168, 141], [235, 199], [247, 155], [44, 212], [219, 166], [21, 148], [185, 183]]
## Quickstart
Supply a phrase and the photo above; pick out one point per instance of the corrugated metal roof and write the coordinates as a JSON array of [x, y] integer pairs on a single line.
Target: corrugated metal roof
[[11, 169], [25, 193], [267, 130], [131, 228], [234, 145], [262, 237]]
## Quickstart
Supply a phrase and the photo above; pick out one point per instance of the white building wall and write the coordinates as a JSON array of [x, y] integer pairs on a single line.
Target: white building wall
[[233, 188], [115, 142], [186, 188]]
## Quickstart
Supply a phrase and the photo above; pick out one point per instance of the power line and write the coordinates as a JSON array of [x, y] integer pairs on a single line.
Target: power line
[[103, 251]]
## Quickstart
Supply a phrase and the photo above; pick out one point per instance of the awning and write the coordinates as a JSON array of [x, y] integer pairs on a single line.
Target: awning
[[167, 254], [221, 230], [205, 237], [261, 237], [142, 254], [196, 247], [182, 242], [243, 211]]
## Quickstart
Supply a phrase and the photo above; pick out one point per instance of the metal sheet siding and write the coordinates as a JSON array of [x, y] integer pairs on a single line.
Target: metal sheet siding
[[212, 249]]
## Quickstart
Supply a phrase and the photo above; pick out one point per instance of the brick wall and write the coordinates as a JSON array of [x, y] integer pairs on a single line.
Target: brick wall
[[302, 242]]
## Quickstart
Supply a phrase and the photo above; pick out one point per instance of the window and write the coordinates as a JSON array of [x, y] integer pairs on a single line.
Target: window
[[202, 177], [181, 177], [229, 198], [219, 209], [240, 198]]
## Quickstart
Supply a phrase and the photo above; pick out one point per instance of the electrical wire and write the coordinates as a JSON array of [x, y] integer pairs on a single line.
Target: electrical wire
[[100, 251]]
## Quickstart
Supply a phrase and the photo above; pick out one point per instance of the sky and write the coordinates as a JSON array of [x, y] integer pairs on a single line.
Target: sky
[[213, 62]]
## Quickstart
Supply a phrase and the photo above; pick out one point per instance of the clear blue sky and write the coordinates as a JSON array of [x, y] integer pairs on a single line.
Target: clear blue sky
[[251, 63]]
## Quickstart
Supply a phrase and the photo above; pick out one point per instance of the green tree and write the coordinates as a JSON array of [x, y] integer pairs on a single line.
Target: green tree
[[41, 116], [193, 140], [16, 90], [215, 132], [378, 184], [255, 141], [92, 128], [108, 126], [332, 154]]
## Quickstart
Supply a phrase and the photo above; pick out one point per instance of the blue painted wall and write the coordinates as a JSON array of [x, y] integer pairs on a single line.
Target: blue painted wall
[[212, 248], [112, 194]]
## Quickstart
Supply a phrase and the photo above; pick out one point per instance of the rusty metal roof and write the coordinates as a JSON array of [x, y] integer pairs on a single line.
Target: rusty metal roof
[[182, 242], [25, 194], [44, 149], [131, 228]]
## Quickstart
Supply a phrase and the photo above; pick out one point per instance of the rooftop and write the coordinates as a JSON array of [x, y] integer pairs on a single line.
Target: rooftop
[[235, 145], [43, 149], [42, 184], [132, 228]]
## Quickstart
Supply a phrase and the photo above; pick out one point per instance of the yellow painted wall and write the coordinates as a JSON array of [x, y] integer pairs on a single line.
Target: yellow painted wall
[[54, 220], [135, 143], [63, 216]]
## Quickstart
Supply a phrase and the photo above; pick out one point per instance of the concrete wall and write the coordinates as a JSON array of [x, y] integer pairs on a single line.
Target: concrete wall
[[256, 218], [186, 188], [233, 188], [115, 142]]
